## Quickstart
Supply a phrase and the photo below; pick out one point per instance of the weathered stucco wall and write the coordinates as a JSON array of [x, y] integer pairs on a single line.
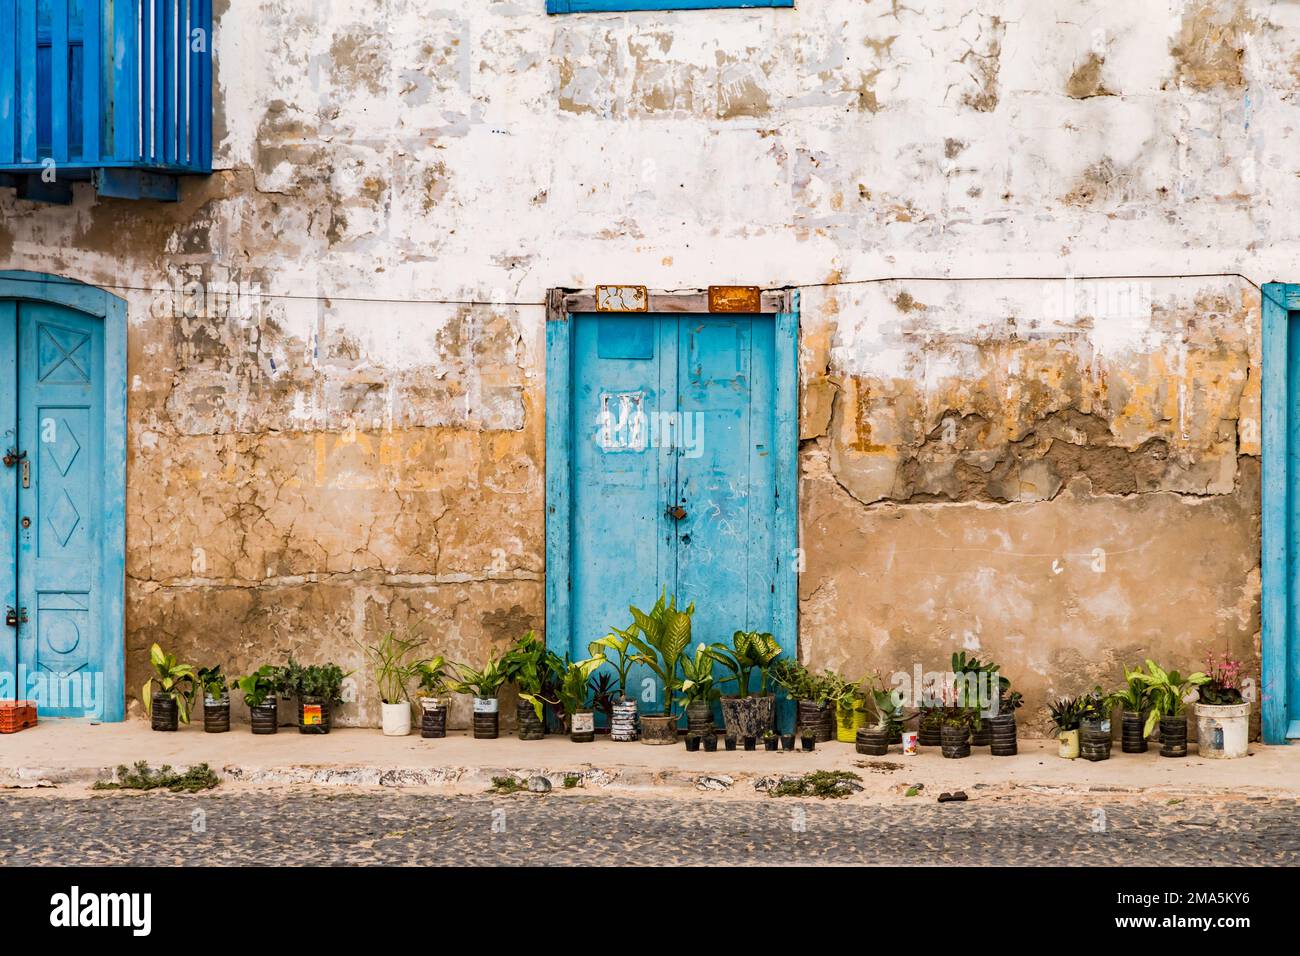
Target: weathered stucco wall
[[985, 465]]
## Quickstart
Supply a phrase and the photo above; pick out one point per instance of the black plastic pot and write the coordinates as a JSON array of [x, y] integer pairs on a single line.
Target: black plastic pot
[[787, 741], [928, 735], [808, 742], [305, 713], [1002, 739], [729, 742], [770, 743], [693, 743], [433, 722], [954, 741], [216, 715], [710, 743], [872, 742], [1132, 740], [164, 713], [751, 743], [1173, 736], [528, 725], [1094, 744], [265, 717], [820, 718]]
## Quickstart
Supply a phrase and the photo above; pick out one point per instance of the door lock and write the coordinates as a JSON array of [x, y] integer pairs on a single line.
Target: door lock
[[13, 456], [14, 617], [676, 512]]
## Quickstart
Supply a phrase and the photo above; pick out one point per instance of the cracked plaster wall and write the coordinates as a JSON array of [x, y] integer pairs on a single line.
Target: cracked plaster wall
[[332, 467]]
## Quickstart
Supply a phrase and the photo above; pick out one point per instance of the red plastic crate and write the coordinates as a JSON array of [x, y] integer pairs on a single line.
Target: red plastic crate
[[15, 715]]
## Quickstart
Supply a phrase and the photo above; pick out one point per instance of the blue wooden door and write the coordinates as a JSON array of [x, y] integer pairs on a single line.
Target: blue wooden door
[[672, 412], [9, 683], [60, 508]]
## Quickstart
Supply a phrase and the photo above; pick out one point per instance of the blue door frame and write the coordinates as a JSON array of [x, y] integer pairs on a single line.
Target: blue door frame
[[96, 304], [560, 374], [1280, 546]]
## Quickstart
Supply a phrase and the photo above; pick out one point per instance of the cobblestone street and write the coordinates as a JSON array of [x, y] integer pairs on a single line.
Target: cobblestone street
[[317, 827]]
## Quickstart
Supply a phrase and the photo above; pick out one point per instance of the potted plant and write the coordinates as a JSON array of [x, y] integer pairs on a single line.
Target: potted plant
[[623, 716], [930, 725], [729, 742], [1094, 726], [787, 741], [168, 703], [958, 722], [750, 742], [393, 661], [698, 691], [260, 689], [483, 685], [812, 708], [977, 684], [744, 713], [1169, 691], [318, 688], [1222, 713], [711, 741], [604, 694], [216, 700], [769, 740], [1134, 702], [1065, 714], [808, 738], [661, 638], [850, 707], [572, 699], [874, 741], [693, 742], [1002, 726], [435, 695], [535, 672]]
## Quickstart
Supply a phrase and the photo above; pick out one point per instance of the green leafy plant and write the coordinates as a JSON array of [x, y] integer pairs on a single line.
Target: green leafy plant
[[1168, 690], [266, 681], [483, 683], [1095, 707], [661, 639], [315, 680], [845, 694], [621, 642], [143, 777], [530, 666], [970, 675], [1066, 713], [572, 696], [433, 676], [888, 707], [750, 651], [796, 680], [697, 677], [213, 682], [178, 681], [1135, 696], [393, 661], [826, 784], [603, 693]]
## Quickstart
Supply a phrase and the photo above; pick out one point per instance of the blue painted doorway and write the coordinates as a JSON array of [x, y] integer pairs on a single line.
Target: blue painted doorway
[[62, 490], [670, 446]]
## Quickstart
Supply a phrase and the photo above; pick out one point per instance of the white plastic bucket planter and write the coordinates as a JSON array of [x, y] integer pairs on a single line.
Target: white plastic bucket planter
[[1222, 731], [396, 719]]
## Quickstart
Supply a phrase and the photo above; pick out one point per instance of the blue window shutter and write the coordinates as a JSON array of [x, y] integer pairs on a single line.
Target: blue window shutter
[[619, 6]]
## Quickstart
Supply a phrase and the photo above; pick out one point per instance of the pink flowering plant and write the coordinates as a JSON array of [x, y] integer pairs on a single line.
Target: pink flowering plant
[[1224, 685]]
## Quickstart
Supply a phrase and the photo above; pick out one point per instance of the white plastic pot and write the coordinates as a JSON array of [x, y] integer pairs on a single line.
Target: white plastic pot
[[1222, 731], [396, 719]]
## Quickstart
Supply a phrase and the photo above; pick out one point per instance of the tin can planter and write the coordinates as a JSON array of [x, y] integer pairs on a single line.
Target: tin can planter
[[265, 717], [582, 726], [433, 718], [748, 716], [658, 730], [808, 741], [1173, 736], [487, 718], [710, 743], [729, 742], [1094, 744], [527, 724], [820, 717], [1002, 740], [313, 715], [623, 723], [1223, 730], [164, 714], [216, 715], [693, 743], [954, 742], [787, 741], [848, 723], [1067, 744], [1132, 740], [699, 717], [872, 742]]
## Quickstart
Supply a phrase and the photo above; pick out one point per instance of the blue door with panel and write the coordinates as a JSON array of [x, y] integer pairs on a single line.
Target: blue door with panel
[[673, 476], [54, 507]]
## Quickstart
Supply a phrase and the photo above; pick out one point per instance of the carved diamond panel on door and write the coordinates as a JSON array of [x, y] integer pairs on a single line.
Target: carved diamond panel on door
[[64, 490]]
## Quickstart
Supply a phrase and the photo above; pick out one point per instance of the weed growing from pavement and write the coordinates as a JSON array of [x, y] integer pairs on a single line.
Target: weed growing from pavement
[[507, 785], [819, 783], [571, 781], [143, 777]]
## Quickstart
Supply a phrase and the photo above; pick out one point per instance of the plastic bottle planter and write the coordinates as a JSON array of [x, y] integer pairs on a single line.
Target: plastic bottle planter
[[820, 717], [582, 727], [623, 722], [1173, 736], [527, 724], [928, 735], [1094, 743], [164, 714], [433, 718], [954, 742], [1132, 739], [1002, 740], [487, 718], [216, 715], [872, 742], [1222, 730], [699, 717], [1067, 744], [848, 723], [982, 736], [658, 730], [748, 716], [265, 717], [314, 715]]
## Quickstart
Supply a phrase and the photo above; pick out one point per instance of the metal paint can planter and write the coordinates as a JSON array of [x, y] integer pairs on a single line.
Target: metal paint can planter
[[1173, 736], [820, 717], [264, 718], [313, 715], [1223, 730], [623, 722], [527, 724], [848, 723], [433, 718], [954, 742], [487, 718], [1132, 738], [658, 730], [582, 727], [216, 715], [164, 713], [872, 742], [1067, 744]]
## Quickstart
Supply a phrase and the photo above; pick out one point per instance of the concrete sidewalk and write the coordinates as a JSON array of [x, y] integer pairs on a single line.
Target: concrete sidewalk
[[71, 755]]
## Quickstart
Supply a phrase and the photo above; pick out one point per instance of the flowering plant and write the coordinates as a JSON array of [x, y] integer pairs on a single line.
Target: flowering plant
[[1224, 686]]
